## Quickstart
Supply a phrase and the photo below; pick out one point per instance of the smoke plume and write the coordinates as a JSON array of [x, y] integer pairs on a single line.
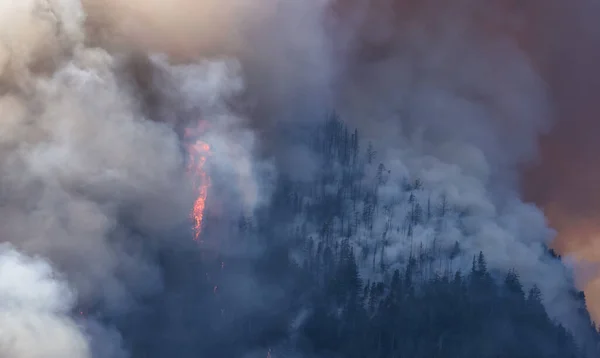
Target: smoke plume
[[35, 311], [95, 98], [89, 180], [563, 181]]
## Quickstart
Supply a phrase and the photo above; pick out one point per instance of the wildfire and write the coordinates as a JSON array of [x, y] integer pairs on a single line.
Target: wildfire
[[197, 152]]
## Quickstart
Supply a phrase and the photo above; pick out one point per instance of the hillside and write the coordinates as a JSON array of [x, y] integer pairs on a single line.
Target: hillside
[[310, 275]]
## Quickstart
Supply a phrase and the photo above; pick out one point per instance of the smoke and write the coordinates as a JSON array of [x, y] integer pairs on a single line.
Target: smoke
[[185, 29], [35, 311], [89, 180], [563, 182], [451, 95], [95, 97]]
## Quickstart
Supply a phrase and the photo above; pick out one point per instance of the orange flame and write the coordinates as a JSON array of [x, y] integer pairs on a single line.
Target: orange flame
[[198, 152]]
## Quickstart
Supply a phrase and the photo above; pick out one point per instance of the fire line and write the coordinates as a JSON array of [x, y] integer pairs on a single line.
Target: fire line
[[197, 155]]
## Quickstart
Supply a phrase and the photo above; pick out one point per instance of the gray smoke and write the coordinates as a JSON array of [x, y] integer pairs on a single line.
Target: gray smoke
[[476, 85], [459, 108], [457, 94], [94, 98], [88, 180], [564, 181]]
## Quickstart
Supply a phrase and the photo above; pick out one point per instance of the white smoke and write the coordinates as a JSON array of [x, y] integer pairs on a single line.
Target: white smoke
[[37, 314], [35, 311]]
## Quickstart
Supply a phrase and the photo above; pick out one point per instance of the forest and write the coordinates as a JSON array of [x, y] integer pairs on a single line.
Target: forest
[[322, 282]]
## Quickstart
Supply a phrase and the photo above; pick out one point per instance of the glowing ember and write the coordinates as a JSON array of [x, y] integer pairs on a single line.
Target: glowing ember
[[197, 151]]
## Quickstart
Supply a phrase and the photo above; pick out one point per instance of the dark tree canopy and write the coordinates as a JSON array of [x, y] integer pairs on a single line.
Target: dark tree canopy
[[306, 295]]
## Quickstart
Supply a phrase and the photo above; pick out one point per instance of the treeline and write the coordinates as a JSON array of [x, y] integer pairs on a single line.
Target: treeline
[[340, 226], [344, 200], [449, 315], [318, 273]]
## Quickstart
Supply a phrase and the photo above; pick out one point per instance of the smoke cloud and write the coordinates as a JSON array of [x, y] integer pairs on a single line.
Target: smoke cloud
[[89, 180], [35, 311], [476, 85], [563, 181], [95, 98], [458, 100]]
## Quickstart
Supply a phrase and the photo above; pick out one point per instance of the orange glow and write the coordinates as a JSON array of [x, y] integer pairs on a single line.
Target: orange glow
[[197, 152]]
